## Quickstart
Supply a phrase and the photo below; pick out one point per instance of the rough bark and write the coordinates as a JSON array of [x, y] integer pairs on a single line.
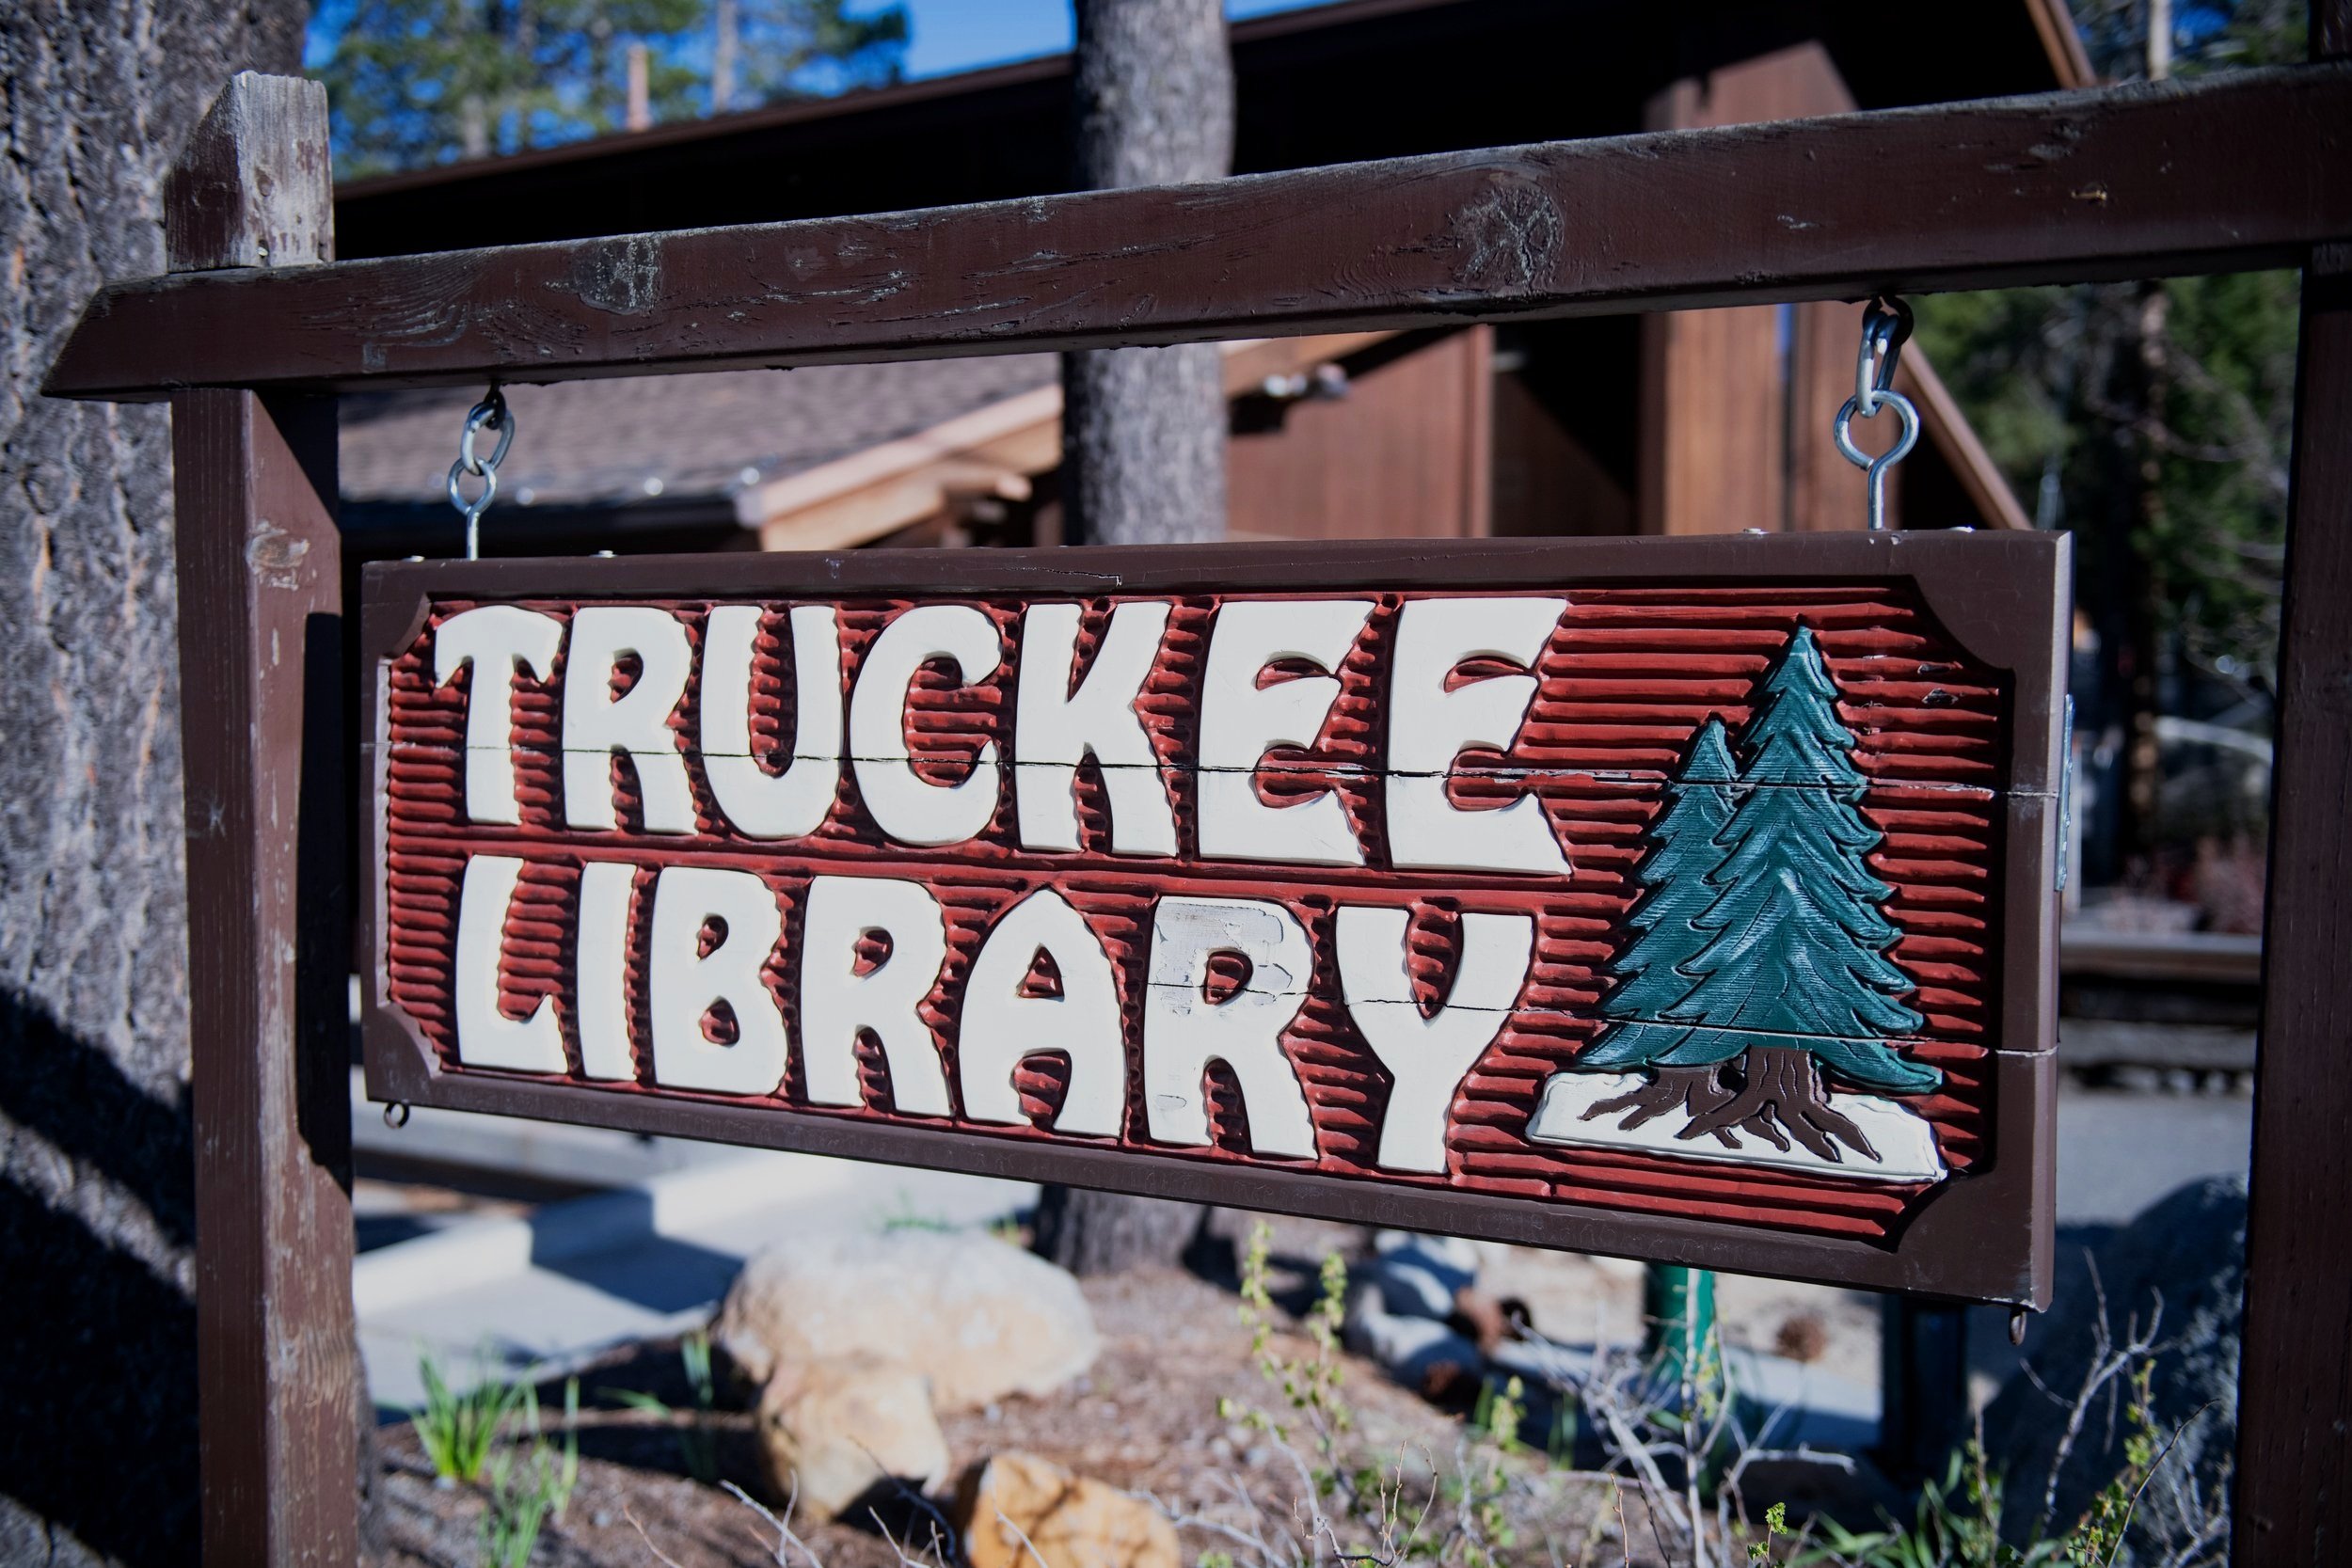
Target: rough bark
[[98, 1345], [1143, 430]]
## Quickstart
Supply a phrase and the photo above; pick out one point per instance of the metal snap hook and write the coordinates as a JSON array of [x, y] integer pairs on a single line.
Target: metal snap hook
[[1885, 328], [490, 413]]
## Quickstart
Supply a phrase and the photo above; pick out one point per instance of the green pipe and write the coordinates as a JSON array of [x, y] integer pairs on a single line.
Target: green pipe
[[1679, 1307]]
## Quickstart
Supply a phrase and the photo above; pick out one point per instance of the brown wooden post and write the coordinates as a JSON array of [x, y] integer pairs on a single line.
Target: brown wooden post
[[261, 667], [2293, 1503]]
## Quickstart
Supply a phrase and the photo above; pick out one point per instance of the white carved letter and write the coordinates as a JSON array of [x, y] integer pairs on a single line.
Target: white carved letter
[[604, 887], [597, 724], [1427, 1056], [1001, 1026], [762, 804], [1054, 729], [486, 1035], [1241, 721], [1429, 726], [685, 983], [903, 804], [1183, 1031], [836, 1001], [497, 640]]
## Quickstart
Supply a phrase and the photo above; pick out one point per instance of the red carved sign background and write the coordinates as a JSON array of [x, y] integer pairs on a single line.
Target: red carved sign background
[[1949, 749]]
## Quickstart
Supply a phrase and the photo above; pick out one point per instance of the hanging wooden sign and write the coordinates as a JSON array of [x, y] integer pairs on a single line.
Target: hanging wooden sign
[[1690, 899]]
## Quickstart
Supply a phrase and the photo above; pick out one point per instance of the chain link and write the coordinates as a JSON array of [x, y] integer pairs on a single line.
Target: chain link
[[491, 413], [1885, 328]]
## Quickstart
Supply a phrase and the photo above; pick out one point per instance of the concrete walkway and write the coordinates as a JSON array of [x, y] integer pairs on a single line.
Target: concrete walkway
[[548, 1290]]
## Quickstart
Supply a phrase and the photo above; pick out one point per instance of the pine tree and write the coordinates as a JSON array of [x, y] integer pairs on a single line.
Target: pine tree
[[1678, 874], [1795, 944], [1762, 923], [414, 83]]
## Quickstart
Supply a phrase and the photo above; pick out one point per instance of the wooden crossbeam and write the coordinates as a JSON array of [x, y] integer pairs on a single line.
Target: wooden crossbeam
[[2242, 170]]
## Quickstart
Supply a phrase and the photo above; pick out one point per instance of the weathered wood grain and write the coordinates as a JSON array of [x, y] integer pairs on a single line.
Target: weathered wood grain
[[240, 194], [2233, 171], [2295, 1444], [2291, 1503], [260, 660]]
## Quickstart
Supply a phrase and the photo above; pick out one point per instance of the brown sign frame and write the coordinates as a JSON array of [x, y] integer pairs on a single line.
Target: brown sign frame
[[2002, 597]]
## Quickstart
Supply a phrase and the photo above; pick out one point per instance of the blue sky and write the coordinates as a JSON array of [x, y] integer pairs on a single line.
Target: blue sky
[[960, 35], [949, 35]]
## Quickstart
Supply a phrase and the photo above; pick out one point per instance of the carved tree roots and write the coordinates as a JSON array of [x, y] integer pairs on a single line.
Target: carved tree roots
[[1693, 1091], [1782, 1091], [1780, 1097]]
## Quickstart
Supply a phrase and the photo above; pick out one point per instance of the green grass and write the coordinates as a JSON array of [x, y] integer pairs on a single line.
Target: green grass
[[459, 1430]]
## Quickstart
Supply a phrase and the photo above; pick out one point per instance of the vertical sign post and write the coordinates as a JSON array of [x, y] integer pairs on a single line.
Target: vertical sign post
[[2294, 1499], [261, 676]]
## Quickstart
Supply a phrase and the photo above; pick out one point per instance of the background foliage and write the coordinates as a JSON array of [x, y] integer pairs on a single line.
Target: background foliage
[[2153, 420], [414, 83]]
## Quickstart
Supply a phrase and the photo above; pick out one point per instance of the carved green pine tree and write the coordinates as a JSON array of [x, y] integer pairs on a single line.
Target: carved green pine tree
[[1795, 943], [1677, 873], [1761, 937]]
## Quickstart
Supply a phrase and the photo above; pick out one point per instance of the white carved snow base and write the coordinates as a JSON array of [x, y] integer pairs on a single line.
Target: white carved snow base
[[1904, 1140]]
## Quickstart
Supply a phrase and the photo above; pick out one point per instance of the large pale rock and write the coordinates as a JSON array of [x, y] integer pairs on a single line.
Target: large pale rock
[[833, 1432], [980, 1319], [1016, 1509]]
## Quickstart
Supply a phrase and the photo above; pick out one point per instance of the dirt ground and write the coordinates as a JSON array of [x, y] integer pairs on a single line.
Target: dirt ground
[[1145, 1419]]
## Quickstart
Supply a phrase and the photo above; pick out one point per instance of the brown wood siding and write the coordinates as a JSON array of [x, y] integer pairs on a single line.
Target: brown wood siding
[[1546, 479], [1736, 420], [1403, 455]]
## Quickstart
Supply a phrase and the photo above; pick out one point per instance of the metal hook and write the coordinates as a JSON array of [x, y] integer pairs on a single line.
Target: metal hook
[[1885, 328], [491, 413]]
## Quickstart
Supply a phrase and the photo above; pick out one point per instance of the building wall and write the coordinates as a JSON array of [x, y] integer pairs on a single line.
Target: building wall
[[1403, 454]]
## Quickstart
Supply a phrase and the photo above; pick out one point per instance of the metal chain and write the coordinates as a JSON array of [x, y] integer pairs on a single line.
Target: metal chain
[[1885, 328], [491, 413]]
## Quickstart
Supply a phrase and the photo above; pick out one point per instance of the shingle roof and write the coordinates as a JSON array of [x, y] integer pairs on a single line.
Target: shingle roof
[[595, 442]]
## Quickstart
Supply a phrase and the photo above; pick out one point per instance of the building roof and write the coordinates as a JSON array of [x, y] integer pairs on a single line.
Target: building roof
[[605, 443]]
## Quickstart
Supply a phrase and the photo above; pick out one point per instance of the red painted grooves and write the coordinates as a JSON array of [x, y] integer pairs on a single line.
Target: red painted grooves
[[1627, 679]]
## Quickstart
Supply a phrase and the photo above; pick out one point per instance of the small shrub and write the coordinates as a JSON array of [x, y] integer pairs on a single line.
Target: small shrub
[[459, 1430], [525, 1494], [697, 1442]]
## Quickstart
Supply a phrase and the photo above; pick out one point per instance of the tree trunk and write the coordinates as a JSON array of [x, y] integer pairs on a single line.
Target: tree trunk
[[1096, 1233], [724, 29], [1143, 429], [97, 1458]]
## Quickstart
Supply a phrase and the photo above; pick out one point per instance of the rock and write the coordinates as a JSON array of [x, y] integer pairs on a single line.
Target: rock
[[832, 1432], [2186, 1251], [979, 1318], [1070, 1521]]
